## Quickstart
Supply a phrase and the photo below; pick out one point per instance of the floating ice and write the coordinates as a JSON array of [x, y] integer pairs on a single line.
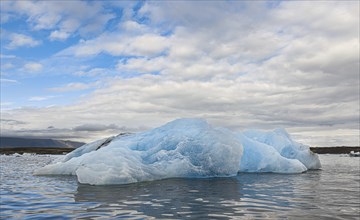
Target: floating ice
[[280, 140], [183, 148]]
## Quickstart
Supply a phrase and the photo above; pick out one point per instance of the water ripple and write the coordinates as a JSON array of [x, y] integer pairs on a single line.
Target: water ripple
[[333, 192]]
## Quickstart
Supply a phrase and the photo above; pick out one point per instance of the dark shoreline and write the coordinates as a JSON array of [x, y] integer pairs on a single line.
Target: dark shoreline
[[334, 150], [34, 150]]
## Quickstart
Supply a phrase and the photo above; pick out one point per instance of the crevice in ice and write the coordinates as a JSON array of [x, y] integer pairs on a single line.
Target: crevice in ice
[[106, 143]]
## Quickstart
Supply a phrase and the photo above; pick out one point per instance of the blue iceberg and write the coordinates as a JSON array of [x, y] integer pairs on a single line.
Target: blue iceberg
[[183, 148]]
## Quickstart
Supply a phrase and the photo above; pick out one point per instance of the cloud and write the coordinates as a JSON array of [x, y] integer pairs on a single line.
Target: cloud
[[7, 56], [60, 134], [7, 66], [72, 87], [238, 64], [14, 128], [20, 40], [117, 44], [96, 127], [33, 67], [95, 72], [41, 98], [343, 21], [63, 19], [151, 101], [2, 80], [11, 121], [59, 35], [142, 65]]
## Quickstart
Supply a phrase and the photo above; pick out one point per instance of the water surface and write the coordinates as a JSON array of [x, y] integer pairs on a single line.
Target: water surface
[[333, 192]]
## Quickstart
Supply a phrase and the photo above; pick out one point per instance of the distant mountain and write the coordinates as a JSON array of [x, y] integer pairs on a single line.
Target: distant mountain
[[15, 142]]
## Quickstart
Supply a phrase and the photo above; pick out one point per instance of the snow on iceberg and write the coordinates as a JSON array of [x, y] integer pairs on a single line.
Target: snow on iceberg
[[183, 148]]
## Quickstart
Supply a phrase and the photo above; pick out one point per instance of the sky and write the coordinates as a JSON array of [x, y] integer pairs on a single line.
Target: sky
[[83, 70]]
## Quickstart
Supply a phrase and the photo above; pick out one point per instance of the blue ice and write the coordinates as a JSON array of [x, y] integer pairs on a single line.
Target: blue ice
[[188, 148]]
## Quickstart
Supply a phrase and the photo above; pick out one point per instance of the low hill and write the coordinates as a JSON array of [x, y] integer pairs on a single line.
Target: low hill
[[15, 142]]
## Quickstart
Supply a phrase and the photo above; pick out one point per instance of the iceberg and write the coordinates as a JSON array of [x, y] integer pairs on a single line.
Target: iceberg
[[281, 141], [186, 148]]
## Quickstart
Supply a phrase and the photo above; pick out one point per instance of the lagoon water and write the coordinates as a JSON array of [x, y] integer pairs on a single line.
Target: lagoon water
[[330, 193]]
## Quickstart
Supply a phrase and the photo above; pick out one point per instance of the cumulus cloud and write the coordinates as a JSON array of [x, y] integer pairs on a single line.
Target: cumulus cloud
[[116, 44], [94, 72], [59, 35], [21, 40], [33, 67], [72, 87]]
